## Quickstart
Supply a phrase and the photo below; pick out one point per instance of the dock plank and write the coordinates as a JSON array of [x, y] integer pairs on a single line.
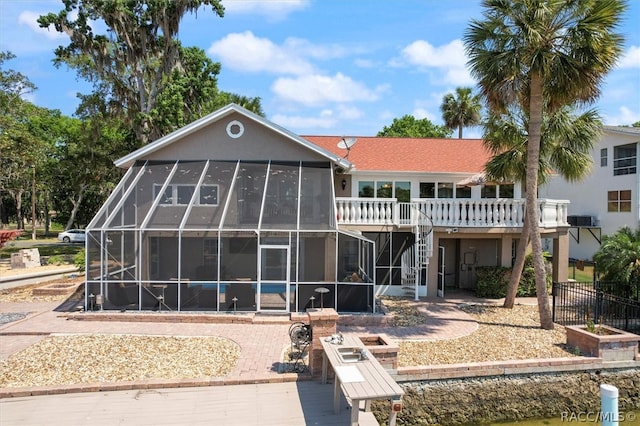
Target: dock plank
[[282, 404]]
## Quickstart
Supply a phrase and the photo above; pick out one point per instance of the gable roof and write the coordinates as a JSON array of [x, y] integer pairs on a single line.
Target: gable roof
[[129, 159], [410, 154]]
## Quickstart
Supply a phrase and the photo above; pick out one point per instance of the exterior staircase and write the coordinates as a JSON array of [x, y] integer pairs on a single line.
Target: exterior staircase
[[415, 259]]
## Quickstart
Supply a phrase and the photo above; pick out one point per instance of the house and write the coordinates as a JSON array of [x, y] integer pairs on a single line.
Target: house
[[607, 199], [235, 213]]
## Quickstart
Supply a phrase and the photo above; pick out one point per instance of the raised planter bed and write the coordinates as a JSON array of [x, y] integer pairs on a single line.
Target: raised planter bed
[[608, 343], [56, 289], [381, 347]]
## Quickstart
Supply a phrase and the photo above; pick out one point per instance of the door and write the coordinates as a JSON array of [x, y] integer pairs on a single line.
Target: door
[[441, 271], [273, 279]]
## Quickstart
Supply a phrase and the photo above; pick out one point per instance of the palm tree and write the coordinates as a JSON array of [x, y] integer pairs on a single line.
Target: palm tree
[[462, 110], [565, 144], [619, 258], [541, 55]]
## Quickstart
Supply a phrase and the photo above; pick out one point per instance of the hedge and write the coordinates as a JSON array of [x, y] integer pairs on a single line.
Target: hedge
[[493, 280]]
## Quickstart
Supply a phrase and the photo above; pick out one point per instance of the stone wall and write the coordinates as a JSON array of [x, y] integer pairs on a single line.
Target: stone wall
[[25, 258], [483, 400]]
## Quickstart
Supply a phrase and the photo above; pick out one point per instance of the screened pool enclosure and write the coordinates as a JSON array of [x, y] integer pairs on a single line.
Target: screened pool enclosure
[[226, 236]]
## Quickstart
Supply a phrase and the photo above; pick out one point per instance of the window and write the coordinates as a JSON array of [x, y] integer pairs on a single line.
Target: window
[[427, 190], [437, 190], [505, 191], [603, 157], [445, 190], [167, 196], [463, 191], [180, 195], [384, 190], [489, 191], [624, 160], [209, 195], [365, 189], [619, 201], [184, 192], [403, 191]]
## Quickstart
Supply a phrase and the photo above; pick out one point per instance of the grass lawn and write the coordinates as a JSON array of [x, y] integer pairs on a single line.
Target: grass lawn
[[581, 276], [42, 243]]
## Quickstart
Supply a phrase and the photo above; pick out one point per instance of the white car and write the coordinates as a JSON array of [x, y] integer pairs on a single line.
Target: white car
[[72, 236]]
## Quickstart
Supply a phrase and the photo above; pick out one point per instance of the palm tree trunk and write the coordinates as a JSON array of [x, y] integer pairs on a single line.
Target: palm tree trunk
[[533, 156], [460, 131], [516, 271]]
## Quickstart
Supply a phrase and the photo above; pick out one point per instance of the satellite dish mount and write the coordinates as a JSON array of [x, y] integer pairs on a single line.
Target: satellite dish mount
[[347, 143]]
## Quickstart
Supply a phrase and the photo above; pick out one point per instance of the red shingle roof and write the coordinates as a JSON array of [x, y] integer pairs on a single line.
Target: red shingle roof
[[410, 154]]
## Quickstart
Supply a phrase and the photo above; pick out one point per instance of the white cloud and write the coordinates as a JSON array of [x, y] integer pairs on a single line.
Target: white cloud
[[302, 47], [349, 112], [386, 116], [29, 97], [30, 19], [450, 61], [475, 132], [421, 113], [326, 120], [624, 117], [273, 10], [459, 77], [317, 89], [422, 53], [246, 52], [364, 63], [631, 58], [249, 53]]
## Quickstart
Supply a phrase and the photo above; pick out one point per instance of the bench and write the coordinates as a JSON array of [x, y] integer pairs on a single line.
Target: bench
[[362, 380]]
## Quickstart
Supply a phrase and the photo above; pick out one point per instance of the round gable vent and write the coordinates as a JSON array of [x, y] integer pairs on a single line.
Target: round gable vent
[[235, 129]]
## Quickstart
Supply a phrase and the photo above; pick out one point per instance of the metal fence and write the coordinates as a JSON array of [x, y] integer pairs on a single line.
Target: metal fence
[[579, 302]]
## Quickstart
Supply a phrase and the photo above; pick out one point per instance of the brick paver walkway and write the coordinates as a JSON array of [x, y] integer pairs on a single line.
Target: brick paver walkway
[[262, 344]]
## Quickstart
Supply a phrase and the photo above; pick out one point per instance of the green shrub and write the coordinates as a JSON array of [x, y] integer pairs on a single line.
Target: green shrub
[[79, 260], [493, 280], [58, 259]]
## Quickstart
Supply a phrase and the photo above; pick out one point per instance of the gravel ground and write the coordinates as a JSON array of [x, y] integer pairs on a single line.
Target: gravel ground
[[503, 334], [62, 360]]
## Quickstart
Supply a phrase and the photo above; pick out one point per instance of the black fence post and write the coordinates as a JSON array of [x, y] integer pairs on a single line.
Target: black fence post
[[553, 298], [598, 305]]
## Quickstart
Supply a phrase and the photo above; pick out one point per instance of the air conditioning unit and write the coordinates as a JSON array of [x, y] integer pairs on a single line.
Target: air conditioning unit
[[581, 221]]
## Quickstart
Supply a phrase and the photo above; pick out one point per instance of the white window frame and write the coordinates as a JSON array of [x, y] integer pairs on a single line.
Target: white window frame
[[174, 194]]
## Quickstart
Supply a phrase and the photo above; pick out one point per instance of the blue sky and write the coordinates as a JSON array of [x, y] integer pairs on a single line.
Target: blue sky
[[324, 67]]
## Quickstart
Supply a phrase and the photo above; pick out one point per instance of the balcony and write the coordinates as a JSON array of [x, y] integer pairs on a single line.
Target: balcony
[[462, 213]]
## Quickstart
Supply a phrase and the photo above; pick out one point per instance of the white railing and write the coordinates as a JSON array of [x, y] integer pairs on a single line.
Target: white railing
[[367, 211], [449, 212]]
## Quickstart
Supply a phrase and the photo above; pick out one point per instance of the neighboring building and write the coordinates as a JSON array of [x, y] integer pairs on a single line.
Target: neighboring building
[[607, 199], [233, 212]]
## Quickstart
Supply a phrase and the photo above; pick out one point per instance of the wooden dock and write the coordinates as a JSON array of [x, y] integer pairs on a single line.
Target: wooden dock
[[277, 404]]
